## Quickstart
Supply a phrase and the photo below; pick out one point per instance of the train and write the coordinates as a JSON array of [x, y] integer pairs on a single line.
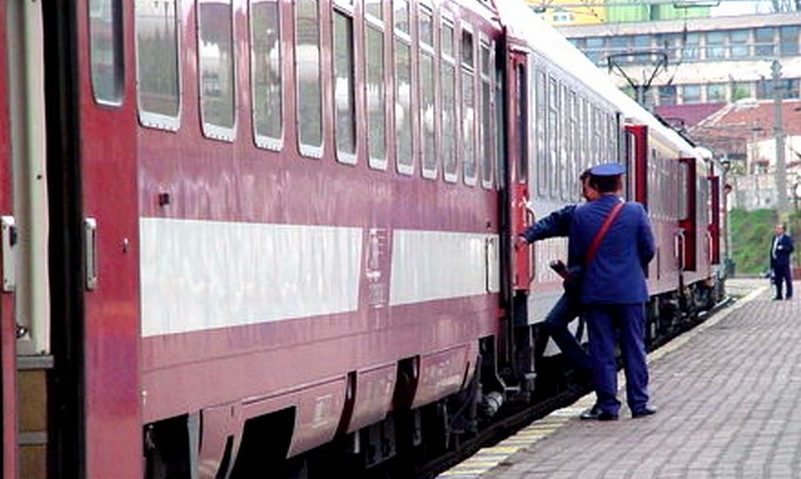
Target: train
[[239, 236]]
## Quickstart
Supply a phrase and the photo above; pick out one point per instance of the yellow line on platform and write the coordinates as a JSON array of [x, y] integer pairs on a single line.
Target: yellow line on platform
[[480, 463]]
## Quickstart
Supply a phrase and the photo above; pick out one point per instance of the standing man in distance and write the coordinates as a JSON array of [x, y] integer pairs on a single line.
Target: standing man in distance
[[567, 307], [780, 251], [614, 252]]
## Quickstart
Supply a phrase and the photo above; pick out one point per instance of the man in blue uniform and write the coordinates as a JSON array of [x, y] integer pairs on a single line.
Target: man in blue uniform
[[613, 289], [780, 250], [566, 309]]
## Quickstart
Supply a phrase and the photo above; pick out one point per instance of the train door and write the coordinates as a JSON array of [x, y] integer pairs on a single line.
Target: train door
[[714, 219], [637, 163], [109, 226], [688, 223], [518, 162], [8, 330]]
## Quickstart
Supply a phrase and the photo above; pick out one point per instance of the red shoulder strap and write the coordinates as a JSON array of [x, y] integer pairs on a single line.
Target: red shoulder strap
[[599, 236]]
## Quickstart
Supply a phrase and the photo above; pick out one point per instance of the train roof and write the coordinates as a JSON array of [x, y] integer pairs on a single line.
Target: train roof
[[524, 25]]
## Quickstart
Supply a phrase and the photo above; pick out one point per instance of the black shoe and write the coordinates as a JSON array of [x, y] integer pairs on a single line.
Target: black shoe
[[788, 298], [595, 413], [646, 411], [777, 298]]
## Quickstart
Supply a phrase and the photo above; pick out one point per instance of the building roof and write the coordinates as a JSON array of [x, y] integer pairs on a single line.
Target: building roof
[[687, 115], [678, 26], [729, 129]]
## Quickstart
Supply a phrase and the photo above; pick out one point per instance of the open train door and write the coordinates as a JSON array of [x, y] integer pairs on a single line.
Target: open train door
[[637, 164], [94, 398], [8, 330]]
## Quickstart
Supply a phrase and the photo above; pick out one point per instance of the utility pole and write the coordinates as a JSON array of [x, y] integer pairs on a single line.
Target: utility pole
[[778, 133]]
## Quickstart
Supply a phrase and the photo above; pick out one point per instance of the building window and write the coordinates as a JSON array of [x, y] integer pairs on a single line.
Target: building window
[[667, 95], [739, 43], [642, 44], [715, 45], [374, 86], [787, 88], [764, 41], [691, 94], [789, 40], [310, 115], [692, 44], [106, 56], [344, 93], [265, 57], [217, 80], [715, 92], [619, 46], [595, 49], [740, 90], [157, 64]]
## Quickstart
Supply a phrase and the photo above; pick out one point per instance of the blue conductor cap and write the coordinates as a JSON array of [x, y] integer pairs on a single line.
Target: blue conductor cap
[[608, 169]]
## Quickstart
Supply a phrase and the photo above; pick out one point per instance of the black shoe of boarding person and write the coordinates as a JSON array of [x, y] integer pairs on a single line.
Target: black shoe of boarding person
[[595, 413], [646, 411]]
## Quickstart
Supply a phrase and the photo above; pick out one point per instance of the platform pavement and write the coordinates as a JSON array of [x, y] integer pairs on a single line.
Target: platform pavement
[[729, 400]]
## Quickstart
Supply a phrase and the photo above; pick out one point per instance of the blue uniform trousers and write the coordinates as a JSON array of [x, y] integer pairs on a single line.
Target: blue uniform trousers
[[565, 310], [782, 274], [607, 323]]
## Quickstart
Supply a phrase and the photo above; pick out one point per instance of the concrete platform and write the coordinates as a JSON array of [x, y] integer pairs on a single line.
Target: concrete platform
[[729, 400]]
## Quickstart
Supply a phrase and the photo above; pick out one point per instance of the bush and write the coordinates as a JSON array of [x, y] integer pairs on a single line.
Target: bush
[[751, 236]]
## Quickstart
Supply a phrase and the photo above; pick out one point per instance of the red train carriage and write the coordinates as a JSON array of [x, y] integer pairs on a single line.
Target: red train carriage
[[244, 229]]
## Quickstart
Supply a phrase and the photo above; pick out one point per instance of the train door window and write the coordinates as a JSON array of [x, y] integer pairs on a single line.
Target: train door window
[[157, 71], [553, 136], [683, 178], [344, 88], [266, 74], [468, 137], [106, 55], [500, 115], [448, 80], [403, 88], [217, 80], [565, 178], [375, 90], [542, 143], [487, 154], [428, 114], [631, 160], [309, 88], [613, 146]]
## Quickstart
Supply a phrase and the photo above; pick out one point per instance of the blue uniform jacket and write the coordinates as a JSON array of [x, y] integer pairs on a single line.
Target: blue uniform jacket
[[554, 225], [617, 274], [783, 252]]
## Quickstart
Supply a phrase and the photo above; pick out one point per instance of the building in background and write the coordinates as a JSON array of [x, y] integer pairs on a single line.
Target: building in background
[[591, 12], [708, 60]]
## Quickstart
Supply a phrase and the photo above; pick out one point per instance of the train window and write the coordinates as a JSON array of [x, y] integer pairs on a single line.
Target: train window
[[375, 93], [157, 64], [375, 8], [217, 81], [565, 179], [598, 136], [403, 89], [586, 117], [266, 70], [468, 109], [487, 154], [106, 56], [542, 115], [307, 64], [553, 137], [500, 138], [449, 125], [427, 107], [344, 94], [573, 144]]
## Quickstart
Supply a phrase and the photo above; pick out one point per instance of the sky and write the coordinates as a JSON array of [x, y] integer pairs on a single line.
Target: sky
[[735, 7]]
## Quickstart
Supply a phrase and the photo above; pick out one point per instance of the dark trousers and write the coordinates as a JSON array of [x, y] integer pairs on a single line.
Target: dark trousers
[[608, 323], [563, 312], [783, 275]]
